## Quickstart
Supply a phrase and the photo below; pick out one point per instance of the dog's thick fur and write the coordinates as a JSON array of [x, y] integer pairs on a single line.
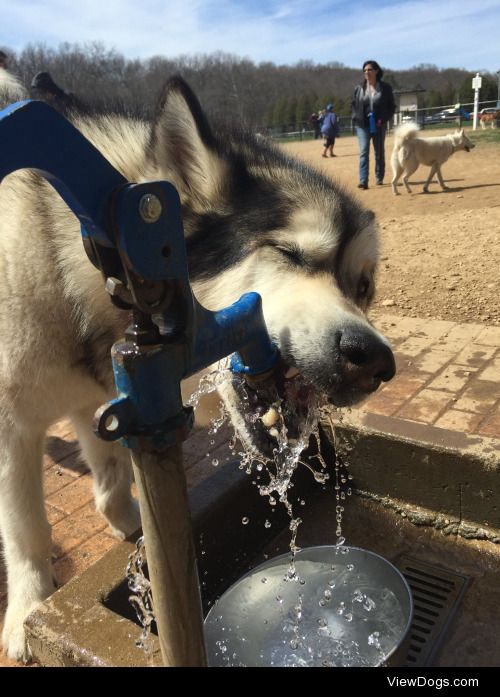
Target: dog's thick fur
[[254, 220], [10, 87], [411, 150]]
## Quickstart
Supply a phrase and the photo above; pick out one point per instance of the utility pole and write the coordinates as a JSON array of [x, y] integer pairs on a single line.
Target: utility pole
[[498, 89]]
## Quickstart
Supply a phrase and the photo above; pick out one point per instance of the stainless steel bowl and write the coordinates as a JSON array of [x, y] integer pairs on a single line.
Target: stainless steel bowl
[[339, 606]]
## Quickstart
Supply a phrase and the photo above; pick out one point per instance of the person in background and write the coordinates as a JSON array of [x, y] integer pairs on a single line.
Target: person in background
[[372, 107], [329, 130], [314, 121]]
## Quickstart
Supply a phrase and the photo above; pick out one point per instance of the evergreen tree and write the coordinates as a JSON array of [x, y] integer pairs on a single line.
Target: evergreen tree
[[280, 113], [488, 91], [303, 111], [450, 95], [291, 112], [433, 99]]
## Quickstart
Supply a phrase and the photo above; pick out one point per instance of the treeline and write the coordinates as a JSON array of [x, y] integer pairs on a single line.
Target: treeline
[[263, 95]]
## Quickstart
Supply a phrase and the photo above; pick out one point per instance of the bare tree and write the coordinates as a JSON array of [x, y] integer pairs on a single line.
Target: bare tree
[[229, 87]]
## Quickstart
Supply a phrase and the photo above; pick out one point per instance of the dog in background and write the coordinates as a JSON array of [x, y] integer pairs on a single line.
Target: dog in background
[[412, 150], [491, 119], [254, 220]]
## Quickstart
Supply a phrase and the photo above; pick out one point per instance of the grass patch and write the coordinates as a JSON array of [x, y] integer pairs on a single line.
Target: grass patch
[[486, 136]]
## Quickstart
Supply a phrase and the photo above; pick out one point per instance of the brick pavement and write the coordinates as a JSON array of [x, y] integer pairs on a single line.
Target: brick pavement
[[448, 377]]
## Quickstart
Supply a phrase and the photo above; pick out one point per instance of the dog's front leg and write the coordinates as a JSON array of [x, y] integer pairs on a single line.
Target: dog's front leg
[[111, 476], [440, 179], [25, 534]]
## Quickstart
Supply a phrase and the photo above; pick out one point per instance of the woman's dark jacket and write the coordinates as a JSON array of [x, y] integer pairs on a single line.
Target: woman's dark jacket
[[383, 104]]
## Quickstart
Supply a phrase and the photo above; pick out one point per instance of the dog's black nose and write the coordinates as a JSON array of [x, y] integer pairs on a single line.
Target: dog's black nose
[[366, 355]]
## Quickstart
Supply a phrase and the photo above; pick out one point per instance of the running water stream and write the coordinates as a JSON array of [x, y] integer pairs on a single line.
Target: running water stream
[[302, 407]]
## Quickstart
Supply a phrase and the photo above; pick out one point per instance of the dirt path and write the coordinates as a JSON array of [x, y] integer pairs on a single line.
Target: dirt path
[[440, 251]]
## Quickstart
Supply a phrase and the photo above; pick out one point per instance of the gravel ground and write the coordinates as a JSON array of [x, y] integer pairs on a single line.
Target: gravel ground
[[440, 252]]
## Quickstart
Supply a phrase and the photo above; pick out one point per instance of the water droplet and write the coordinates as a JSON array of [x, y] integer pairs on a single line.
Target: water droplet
[[245, 520], [215, 462], [267, 524], [369, 604], [374, 640]]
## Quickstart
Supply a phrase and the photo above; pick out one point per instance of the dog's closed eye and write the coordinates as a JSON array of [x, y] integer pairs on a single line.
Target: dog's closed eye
[[292, 253]]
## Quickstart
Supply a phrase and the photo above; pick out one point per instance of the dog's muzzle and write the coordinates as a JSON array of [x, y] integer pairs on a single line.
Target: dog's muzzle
[[360, 361], [367, 357]]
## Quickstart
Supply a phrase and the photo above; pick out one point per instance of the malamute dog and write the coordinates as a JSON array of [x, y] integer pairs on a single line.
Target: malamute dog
[[254, 220], [411, 150]]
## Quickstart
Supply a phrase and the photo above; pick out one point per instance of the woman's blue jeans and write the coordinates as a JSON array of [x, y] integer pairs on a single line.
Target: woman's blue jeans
[[378, 138]]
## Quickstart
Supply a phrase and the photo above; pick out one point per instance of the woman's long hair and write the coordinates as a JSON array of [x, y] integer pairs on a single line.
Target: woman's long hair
[[374, 64]]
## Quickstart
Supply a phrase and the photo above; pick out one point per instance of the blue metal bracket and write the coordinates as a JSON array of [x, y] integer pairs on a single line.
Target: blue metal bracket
[[134, 234]]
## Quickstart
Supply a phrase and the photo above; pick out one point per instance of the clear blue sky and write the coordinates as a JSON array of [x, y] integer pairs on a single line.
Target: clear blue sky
[[397, 33]]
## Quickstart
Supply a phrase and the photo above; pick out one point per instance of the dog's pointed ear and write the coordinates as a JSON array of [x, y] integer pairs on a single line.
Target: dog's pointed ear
[[183, 145]]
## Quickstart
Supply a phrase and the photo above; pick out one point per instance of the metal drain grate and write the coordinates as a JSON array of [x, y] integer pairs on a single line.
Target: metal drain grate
[[437, 592]]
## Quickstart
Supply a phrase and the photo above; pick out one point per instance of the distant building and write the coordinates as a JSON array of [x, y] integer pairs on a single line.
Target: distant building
[[407, 104]]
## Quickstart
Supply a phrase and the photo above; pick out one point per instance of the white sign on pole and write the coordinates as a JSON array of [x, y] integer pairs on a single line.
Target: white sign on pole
[[476, 86]]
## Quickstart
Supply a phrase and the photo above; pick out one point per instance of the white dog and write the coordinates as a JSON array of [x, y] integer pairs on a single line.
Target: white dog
[[411, 150]]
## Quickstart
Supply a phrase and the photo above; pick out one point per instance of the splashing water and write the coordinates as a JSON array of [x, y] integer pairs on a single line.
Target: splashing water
[[141, 600], [302, 408], [288, 422]]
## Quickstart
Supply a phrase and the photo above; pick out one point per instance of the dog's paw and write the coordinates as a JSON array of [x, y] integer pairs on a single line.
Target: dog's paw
[[14, 641], [125, 520]]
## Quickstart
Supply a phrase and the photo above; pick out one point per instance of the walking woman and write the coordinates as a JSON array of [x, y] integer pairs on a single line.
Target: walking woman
[[372, 107]]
